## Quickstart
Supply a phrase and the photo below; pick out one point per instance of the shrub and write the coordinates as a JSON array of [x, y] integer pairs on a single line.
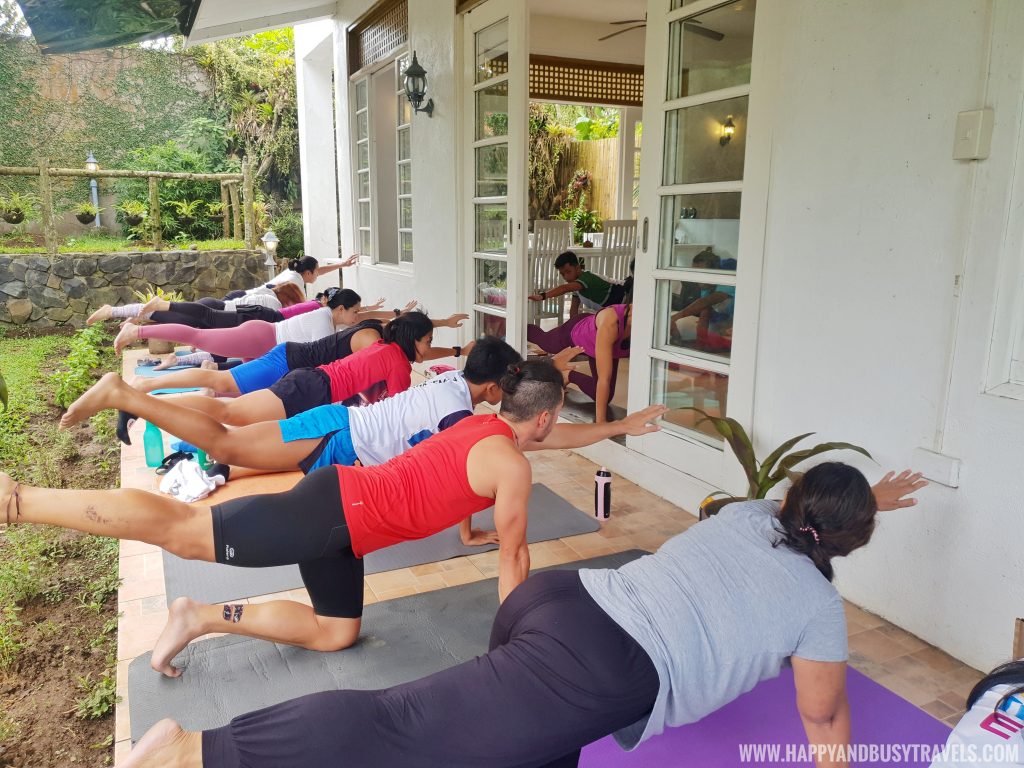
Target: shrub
[[87, 350], [288, 228]]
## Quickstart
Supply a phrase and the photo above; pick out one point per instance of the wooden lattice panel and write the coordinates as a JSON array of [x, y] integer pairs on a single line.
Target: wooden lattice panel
[[382, 31], [588, 82]]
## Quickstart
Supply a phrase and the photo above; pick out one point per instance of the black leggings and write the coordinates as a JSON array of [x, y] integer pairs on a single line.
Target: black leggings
[[305, 526], [560, 674], [199, 315]]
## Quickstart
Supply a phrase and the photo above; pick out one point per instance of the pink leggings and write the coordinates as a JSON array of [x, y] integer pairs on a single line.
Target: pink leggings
[[249, 340]]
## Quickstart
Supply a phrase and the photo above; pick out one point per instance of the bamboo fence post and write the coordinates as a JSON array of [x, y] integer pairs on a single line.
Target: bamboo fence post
[[236, 210], [46, 203], [154, 211], [248, 211], [225, 209]]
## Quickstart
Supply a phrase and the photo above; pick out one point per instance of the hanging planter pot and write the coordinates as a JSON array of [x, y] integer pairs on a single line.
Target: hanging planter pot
[[86, 218], [14, 217], [186, 221], [134, 221]]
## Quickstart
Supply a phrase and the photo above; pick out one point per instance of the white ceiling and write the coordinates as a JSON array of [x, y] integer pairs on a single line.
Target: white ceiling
[[591, 10], [229, 18]]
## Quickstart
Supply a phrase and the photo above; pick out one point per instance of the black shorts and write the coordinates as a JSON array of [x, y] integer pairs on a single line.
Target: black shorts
[[304, 526], [302, 390], [307, 463], [615, 295]]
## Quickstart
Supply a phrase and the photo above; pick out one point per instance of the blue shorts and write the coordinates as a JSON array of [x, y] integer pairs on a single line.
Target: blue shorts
[[261, 372], [328, 422]]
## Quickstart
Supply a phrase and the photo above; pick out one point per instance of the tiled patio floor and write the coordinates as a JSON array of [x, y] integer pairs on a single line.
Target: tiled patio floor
[[923, 675]]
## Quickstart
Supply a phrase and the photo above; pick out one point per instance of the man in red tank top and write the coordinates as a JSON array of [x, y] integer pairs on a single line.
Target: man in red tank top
[[329, 520]]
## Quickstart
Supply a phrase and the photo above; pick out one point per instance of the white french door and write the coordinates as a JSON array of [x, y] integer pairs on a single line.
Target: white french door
[[696, 98], [496, 67]]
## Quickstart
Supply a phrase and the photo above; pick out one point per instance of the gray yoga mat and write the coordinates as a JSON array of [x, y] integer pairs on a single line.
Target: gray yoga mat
[[551, 517], [402, 640]]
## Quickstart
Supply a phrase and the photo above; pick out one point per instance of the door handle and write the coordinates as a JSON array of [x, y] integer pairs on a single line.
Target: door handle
[[646, 227]]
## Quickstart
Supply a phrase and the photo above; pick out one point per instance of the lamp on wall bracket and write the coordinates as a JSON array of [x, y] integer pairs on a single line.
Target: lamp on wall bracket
[[270, 242], [416, 87], [728, 129]]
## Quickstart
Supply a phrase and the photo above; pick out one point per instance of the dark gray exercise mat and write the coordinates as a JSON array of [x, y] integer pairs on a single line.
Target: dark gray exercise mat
[[403, 639], [551, 517]]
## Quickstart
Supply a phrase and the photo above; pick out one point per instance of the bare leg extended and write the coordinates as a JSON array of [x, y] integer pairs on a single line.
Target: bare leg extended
[[166, 745], [221, 382], [257, 445]]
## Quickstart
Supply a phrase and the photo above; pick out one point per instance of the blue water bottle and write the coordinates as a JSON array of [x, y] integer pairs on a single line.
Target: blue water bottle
[[153, 442]]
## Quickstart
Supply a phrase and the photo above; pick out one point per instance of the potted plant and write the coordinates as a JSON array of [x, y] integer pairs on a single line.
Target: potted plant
[[158, 346], [134, 212], [188, 211], [15, 208], [215, 210], [764, 475], [86, 213]]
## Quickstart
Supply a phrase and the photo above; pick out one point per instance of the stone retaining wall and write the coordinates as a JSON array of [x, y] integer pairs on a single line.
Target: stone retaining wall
[[44, 292]]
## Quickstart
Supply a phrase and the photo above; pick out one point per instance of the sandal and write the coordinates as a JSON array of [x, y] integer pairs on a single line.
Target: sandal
[[124, 423], [17, 504], [171, 459]]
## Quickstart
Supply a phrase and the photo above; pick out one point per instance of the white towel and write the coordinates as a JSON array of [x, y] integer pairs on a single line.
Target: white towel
[[186, 481]]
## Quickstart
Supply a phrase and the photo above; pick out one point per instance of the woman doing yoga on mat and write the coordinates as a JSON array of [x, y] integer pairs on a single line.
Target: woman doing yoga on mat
[[604, 338], [300, 273], [406, 340], [334, 434], [576, 655], [991, 733], [328, 521]]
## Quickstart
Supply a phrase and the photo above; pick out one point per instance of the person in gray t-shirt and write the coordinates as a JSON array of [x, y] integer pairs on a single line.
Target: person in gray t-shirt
[[574, 656]]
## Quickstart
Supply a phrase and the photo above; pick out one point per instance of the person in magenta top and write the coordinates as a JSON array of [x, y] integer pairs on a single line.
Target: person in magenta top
[[329, 520], [604, 338]]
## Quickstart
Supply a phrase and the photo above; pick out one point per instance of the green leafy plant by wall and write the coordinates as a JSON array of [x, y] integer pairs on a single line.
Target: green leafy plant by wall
[[89, 349], [288, 228]]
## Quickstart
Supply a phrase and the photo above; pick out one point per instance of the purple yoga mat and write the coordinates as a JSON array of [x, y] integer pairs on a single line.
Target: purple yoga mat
[[767, 715]]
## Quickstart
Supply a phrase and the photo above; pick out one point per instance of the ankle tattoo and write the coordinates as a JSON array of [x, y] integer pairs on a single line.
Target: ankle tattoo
[[233, 613]]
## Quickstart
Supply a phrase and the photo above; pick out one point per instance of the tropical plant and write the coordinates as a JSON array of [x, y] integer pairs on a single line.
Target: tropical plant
[[575, 208], [763, 475], [132, 208], [155, 292], [215, 210], [17, 207], [87, 209], [187, 209]]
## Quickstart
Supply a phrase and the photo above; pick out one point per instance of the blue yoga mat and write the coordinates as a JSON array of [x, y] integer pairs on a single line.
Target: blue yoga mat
[[148, 372]]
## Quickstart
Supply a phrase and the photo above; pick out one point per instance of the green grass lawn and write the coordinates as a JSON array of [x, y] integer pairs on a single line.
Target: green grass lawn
[[14, 243]]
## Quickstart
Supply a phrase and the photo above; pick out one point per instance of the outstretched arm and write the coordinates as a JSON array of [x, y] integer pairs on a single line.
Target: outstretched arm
[[340, 265], [559, 290], [891, 491], [580, 435]]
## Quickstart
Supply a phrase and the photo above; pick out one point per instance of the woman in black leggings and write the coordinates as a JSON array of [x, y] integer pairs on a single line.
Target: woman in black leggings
[[574, 656]]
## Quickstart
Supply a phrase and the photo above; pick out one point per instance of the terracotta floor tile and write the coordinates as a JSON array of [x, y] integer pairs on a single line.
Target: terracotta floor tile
[[954, 700], [462, 576], [388, 580], [901, 636], [938, 709], [875, 646], [937, 660], [861, 616], [393, 593]]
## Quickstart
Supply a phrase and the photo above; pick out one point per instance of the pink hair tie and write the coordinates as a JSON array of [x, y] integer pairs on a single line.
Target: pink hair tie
[[811, 530]]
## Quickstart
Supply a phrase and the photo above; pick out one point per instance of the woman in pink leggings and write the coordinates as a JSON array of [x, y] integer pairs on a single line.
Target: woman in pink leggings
[[256, 337], [604, 338]]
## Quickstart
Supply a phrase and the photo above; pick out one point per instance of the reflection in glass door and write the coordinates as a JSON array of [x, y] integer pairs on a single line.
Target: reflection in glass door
[[691, 189], [495, 116]]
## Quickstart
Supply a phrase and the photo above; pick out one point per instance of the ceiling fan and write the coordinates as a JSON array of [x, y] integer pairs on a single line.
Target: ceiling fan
[[693, 25]]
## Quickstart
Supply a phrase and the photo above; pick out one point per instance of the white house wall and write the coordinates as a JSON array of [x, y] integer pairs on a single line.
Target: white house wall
[[433, 280], [868, 224]]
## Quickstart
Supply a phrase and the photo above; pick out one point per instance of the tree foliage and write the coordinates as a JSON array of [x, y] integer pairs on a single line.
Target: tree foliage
[[11, 20]]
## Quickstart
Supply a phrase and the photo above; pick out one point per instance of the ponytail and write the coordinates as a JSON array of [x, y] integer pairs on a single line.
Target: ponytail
[[529, 388], [305, 264], [405, 330], [288, 294]]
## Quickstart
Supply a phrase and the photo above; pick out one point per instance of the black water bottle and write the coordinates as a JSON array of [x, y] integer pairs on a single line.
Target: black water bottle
[[602, 494]]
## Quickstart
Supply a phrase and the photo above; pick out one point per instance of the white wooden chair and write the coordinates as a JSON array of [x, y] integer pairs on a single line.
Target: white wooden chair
[[617, 249], [550, 238]]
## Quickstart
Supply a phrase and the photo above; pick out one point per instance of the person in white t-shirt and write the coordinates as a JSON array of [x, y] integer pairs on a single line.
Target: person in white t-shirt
[[300, 272], [991, 733]]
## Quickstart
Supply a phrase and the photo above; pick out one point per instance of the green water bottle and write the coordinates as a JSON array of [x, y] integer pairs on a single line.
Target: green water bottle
[[153, 442], [202, 458]]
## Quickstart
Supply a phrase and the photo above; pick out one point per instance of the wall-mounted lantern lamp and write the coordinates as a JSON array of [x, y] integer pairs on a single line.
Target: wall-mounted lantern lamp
[[91, 165], [270, 242], [416, 87], [728, 129]]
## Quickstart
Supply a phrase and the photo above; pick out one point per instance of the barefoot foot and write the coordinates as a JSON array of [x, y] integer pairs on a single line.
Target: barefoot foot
[[166, 745], [100, 395], [208, 365], [182, 627], [156, 304], [103, 313], [129, 332], [167, 361]]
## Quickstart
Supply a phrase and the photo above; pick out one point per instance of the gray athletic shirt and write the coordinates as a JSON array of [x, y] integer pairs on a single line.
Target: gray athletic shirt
[[718, 609]]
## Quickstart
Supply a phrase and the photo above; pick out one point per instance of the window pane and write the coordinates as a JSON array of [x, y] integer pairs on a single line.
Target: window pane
[[693, 150], [401, 64], [491, 228], [405, 246], [492, 171], [360, 95], [711, 51], [364, 185], [363, 155], [694, 316], [405, 179], [364, 214], [490, 325], [681, 386], [491, 282], [365, 242], [404, 151], [404, 110], [405, 213], [362, 126], [699, 231], [492, 111], [492, 51]]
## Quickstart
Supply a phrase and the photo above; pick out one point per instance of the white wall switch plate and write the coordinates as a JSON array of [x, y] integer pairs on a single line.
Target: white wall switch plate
[[937, 467], [973, 134]]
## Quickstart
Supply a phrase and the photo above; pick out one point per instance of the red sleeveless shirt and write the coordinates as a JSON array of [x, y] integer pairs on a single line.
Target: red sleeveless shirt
[[418, 493]]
